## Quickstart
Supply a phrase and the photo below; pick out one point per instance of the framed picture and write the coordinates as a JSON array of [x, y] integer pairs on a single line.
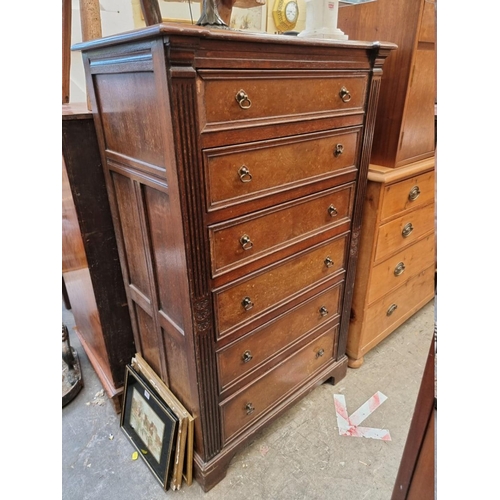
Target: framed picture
[[251, 19], [150, 425]]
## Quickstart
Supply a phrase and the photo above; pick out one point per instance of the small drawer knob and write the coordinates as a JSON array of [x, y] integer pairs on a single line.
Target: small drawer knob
[[329, 262], [345, 95], [399, 269], [332, 211], [247, 303], [320, 353], [414, 193], [323, 311], [249, 408], [339, 149], [247, 356], [407, 230], [242, 99], [246, 242], [244, 173], [391, 309]]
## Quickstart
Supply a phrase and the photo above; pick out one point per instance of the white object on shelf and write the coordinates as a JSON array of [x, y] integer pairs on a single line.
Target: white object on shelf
[[321, 20]]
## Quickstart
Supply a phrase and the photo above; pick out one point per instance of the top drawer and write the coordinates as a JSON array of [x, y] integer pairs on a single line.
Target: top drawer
[[408, 194], [234, 97]]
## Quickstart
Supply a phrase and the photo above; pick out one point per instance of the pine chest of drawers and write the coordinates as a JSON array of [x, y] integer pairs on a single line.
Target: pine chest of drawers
[[236, 167], [397, 257]]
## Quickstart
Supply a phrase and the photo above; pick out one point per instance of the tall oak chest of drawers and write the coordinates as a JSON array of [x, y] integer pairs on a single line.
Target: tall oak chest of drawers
[[236, 168]]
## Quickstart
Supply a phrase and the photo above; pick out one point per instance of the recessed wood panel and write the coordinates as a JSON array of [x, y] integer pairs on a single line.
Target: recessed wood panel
[[128, 108], [166, 256], [130, 226], [149, 339], [417, 136]]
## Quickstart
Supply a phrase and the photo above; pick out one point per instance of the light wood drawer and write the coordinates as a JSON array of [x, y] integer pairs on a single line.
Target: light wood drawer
[[259, 293], [245, 239], [248, 96], [246, 406], [408, 194], [251, 351], [382, 315], [403, 231], [394, 271], [240, 173]]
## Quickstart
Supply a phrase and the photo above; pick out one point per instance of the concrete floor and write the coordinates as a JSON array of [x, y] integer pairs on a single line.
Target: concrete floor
[[300, 456]]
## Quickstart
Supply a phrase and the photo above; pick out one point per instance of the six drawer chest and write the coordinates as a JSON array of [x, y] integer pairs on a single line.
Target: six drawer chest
[[236, 166]]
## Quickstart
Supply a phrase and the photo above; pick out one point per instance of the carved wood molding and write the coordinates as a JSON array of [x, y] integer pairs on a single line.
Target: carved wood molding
[[190, 172]]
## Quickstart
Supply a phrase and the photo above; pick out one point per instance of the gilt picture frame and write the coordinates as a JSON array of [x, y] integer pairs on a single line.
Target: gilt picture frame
[[150, 425]]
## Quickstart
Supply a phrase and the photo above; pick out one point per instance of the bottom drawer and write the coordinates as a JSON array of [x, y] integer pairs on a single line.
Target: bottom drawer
[[387, 314], [255, 399]]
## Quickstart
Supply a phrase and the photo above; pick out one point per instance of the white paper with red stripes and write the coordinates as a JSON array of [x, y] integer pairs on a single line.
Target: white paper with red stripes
[[349, 425]]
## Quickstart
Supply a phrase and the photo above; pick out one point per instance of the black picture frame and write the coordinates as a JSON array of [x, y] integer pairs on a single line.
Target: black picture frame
[[150, 425]]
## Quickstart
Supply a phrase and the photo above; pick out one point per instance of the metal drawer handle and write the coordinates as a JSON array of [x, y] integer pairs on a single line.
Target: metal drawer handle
[[243, 100], [332, 211], [323, 311], [246, 242], [247, 303], [247, 356], [345, 95], [249, 408], [244, 173], [391, 309], [407, 230], [399, 269], [339, 149], [414, 193], [320, 353], [329, 262]]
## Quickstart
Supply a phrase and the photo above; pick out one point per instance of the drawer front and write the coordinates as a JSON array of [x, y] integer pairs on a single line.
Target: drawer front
[[246, 406], [254, 296], [238, 97], [408, 194], [238, 174], [382, 315], [248, 238], [254, 349], [394, 271], [404, 231]]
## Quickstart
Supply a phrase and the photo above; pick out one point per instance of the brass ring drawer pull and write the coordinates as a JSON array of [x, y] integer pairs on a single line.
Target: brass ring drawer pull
[[244, 173], [320, 353], [399, 269], [247, 303], [332, 211], [243, 100], [407, 230], [391, 309], [339, 149], [414, 193], [249, 408], [247, 356], [329, 262], [323, 311], [246, 242], [345, 95]]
